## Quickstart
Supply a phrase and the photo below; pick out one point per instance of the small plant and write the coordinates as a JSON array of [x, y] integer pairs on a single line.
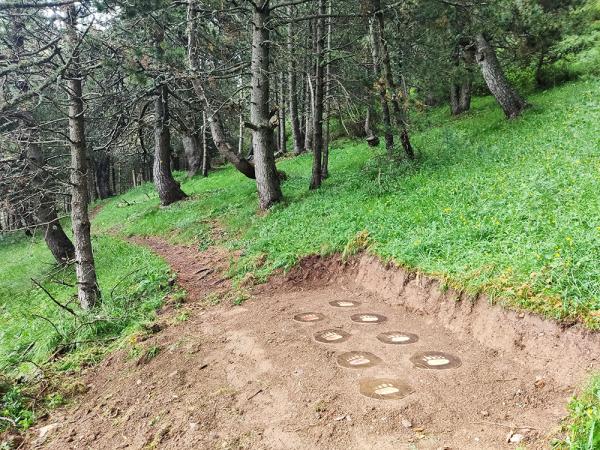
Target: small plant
[[358, 243]]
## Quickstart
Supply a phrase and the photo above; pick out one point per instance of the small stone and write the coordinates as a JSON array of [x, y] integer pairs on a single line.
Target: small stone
[[522, 316], [45, 431], [419, 429], [406, 423], [193, 426], [539, 382], [516, 438], [138, 382], [485, 413], [338, 418]]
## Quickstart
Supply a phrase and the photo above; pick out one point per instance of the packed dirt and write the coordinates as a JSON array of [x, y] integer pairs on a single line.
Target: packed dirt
[[330, 356]]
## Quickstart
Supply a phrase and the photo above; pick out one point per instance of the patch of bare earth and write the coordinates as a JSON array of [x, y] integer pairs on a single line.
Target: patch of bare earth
[[253, 377]]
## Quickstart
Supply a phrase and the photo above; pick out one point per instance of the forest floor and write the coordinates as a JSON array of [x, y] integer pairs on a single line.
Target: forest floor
[[217, 375]]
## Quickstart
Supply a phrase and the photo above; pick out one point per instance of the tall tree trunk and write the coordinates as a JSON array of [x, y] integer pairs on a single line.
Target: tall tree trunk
[[88, 292], [454, 99], [317, 169], [224, 148], [102, 172], [510, 101], [399, 111], [193, 152], [460, 88], [281, 116], [308, 95], [297, 135], [167, 187], [205, 156], [385, 108], [464, 98], [267, 178], [58, 243], [325, 168]]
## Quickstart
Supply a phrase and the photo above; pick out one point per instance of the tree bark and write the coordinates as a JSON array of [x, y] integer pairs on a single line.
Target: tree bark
[[102, 172], [58, 243], [510, 101], [399, 111], [308, 94], [88, 292], [167, 187], [327, 94], [205, 155], [267, 178], [297, 135], [380, 84], [281, 117], [193, 152], [317, 169]]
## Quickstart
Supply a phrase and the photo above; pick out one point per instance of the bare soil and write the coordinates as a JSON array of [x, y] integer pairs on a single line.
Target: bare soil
[[252, 377]]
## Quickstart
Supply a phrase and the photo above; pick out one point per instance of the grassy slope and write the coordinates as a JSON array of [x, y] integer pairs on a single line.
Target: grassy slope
[[510, 208], [138, 277]]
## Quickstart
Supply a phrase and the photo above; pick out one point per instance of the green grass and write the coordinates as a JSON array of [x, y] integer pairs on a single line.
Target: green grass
[[34, 331], [508, 208], [584, 422]]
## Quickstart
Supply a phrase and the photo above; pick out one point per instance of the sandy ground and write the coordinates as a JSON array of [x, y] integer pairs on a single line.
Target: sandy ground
[[253, 376]]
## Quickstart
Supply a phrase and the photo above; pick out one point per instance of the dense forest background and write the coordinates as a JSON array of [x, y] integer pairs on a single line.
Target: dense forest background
[[390, 111]]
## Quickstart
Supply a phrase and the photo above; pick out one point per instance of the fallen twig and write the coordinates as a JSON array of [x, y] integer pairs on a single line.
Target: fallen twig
[[66, 308], [255, 394]]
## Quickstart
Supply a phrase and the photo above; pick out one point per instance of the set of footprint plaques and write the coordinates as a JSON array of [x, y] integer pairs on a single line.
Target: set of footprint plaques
[[378, 388]]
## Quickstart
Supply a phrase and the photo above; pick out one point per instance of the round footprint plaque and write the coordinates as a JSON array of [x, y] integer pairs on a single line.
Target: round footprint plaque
[[384, 388], [397, 337], [344, 303], [368, 318], [332, 336], [358, 360], [435, 360], [309, 317]]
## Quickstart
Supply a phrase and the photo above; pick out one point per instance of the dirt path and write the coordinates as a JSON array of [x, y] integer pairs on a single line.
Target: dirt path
[[257, 376]]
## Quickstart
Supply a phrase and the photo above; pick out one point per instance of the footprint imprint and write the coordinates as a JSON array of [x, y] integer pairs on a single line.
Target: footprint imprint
[[358, 360], [344, 303], [384, 388], [397, 337], [368, 318], [435, 360], [309, 317], [331, 336]]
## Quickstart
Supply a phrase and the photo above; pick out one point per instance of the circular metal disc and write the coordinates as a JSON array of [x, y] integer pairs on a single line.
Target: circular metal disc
[[358, 360], [344, 303], [309, 317], [332, 336], [384, 388], [397, 337], [368, 318], [435, 360]]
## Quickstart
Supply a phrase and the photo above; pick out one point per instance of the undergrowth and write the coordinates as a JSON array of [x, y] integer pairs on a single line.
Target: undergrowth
[[42, 344]]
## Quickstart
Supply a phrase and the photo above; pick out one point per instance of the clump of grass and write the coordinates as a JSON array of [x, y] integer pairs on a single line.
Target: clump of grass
[[584, 422]]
